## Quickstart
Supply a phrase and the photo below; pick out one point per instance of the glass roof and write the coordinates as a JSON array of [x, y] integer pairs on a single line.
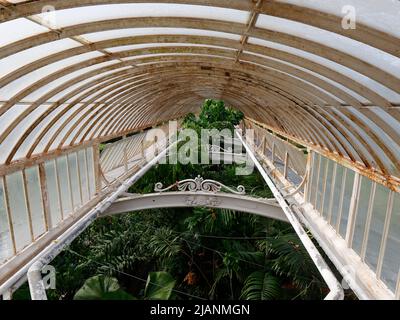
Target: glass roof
[[69, 69], [383, 16]]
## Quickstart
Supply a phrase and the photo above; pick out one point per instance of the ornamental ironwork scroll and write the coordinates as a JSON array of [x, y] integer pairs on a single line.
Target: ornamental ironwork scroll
[[215, 148], [200, 185]]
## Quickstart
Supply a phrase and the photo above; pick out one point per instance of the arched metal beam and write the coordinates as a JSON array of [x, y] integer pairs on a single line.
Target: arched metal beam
[[213, 41], [291, 12], [262, 207], [157, 76], [335, 55], [284, 77], [37, 103]]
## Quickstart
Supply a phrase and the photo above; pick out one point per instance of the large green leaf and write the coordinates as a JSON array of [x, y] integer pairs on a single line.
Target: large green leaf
[[159, 286], [101, 288], [261, 285]]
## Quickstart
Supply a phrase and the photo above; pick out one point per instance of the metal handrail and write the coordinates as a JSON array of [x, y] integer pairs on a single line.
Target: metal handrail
[[336, 290], [36, 285]]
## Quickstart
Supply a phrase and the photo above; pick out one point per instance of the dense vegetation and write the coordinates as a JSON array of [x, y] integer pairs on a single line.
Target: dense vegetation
[[189, 253]]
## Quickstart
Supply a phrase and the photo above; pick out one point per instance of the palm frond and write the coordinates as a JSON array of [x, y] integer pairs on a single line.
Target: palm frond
[[261, 285]]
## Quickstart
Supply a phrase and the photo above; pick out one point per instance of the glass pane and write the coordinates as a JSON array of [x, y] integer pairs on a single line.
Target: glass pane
[[52, 191], [35, 201], [328, 190], [18, 210], [83, 175], [132, 32], [74, 16], [346, 201], [377, 222], [321, 183], [25, 29], [65, 189], [315, 179], [364, 52], [9, 143], [391, 121], [74, 178], [69, 124], [311, 186], [336, 195], [383, 136], [33, 135], [6, 250], [366, 136], [391, 260], [90, 162], [31, 79], [65, 120], [20, 59], [47, 122], [356, 76], [365, 12], [5, 120], [362, 212]]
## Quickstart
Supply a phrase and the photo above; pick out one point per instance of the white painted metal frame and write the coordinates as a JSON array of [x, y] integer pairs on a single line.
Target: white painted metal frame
[[42, 189], [363, 280], [292, 160], [318, 90], [81, 163], [336, 292], [262, 207], [352, 215], [34, 268]]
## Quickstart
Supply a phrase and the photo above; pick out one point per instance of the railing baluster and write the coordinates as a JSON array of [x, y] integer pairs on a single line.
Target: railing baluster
[[286, 167]]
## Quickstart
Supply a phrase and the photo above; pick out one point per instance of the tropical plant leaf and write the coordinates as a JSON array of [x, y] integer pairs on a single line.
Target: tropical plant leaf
[[221, 274], [261, 285], [101, 288], [164, 243], [159, 286]]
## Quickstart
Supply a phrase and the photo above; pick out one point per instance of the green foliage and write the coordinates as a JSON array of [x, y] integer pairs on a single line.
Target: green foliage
[[289, 260], [159, 286], [101, 288], [102, 146], [214, 115], [209, 253], [261, 285]]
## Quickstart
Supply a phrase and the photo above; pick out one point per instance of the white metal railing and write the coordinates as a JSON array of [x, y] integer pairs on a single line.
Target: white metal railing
[[119, 157], [122, 153], [35, 200], [36, 285], [356, 220], [66, 188], [286, 158], [336, 290]]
